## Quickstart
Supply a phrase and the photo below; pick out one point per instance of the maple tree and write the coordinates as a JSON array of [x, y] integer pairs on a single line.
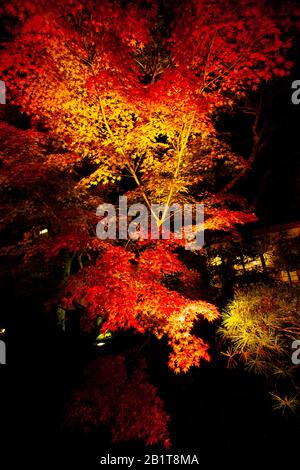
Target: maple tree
[[120, 399], [127, 99]]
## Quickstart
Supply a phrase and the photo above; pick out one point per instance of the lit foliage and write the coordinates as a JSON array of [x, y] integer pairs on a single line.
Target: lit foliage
[[127, 402], [126, 291], [259, 326], [123, 95], [117, 288], [38, 193]]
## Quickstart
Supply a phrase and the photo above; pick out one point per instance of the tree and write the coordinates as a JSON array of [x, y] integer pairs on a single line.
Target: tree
[[123, 91], [259, 326], [118, 288], [129, 97]]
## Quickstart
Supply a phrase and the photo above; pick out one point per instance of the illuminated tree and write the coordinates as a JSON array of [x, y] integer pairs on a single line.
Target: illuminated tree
[[128, 98], [259, 327], [50, 222]]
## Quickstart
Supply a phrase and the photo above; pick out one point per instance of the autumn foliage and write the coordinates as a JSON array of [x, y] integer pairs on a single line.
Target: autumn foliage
[[133, 285], [122, 98], [127, 402], [259, 327]]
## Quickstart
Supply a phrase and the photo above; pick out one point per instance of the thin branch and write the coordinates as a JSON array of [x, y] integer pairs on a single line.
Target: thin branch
[[183, 142], [128, 164]]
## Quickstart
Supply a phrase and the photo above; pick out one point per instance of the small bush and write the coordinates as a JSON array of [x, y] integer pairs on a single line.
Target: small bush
[[259, 326]]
